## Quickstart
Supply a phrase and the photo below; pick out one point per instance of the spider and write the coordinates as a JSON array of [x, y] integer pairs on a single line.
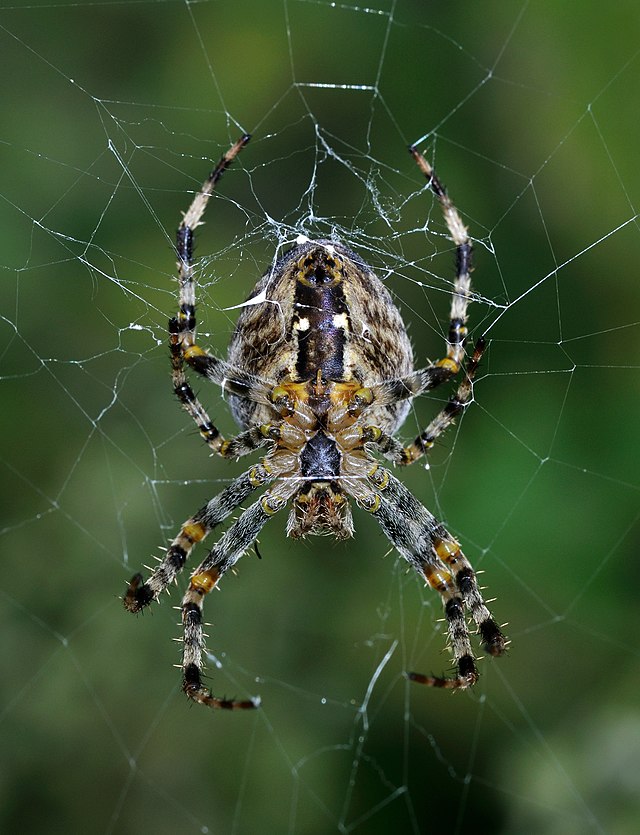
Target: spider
[[320, 372]]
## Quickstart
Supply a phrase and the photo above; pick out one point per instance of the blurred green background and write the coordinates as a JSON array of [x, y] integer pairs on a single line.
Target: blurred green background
[[112, 116]]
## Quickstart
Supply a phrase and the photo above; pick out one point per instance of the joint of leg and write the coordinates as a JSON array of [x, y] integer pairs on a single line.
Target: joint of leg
[[408, 455], [361, 399], [272, 504], [449, 364], [204, 582], [371, 434], [379, 476], [225, 446], [370, 503], [282, 401], [194, 531], [447, 549], [258, 475], [271, 431], [210, 434], [193, 351], [411, 453], [438, 579]]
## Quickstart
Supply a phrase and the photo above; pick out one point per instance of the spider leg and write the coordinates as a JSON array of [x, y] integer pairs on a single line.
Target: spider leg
[[182, 328], [437, 556], [383, 443], [462, 286], [390, 391], [141, 594], [223, 556], [395, 451], [454, 407]]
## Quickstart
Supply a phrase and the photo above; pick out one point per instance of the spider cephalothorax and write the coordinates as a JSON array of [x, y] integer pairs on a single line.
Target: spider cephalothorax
[[320, 372]]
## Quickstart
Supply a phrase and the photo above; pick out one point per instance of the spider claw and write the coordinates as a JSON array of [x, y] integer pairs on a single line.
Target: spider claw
[[461, 682], [138, 595]]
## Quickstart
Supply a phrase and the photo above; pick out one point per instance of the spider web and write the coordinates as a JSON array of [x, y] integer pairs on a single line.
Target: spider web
[[114, 112]]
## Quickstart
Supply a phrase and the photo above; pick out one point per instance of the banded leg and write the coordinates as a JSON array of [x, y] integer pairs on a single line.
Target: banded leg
[[393, 450], [454, 407], [437, 556], [391, 391], [464, 248], [182, 328], [223, 556], [141, 594]]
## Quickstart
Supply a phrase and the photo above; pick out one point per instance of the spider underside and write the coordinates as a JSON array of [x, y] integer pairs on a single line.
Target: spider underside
[[321, 374]]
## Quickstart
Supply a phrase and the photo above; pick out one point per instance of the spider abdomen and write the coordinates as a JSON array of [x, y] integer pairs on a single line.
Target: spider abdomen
[[321, 309]]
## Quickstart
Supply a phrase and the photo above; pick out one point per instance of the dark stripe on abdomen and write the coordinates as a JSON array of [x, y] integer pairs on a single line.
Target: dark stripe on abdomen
[[321, 344]]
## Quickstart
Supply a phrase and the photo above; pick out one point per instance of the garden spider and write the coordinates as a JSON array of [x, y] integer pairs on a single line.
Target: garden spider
[[320, 371]]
